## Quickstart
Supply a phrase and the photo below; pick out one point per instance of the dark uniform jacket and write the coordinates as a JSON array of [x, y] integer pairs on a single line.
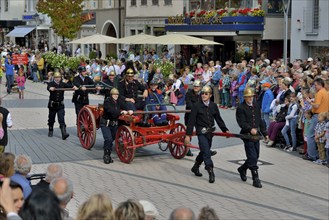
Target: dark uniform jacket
[[4, 140], [106, 91], [112, 109], [203, 116], [79, 95], [56, 97], [249, 117], [190, 99], [130, 90]]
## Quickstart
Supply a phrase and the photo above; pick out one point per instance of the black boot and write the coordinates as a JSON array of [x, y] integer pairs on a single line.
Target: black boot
[[107, 157], [211, 174], [195, 169], [256, 181], [213, 152], [64, 134], [51, 131], [243, 172], [189, 153]]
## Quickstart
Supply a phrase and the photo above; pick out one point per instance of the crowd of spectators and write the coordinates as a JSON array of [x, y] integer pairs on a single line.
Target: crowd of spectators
[[48, 198]]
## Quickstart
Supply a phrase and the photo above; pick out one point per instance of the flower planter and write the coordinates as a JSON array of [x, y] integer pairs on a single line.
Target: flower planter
[[242, 19]]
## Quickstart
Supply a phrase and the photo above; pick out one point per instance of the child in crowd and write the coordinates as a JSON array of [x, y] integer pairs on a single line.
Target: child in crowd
[[234, 90], [291, 124], [320, 138], [327, 141], [20, 79], [224, 89], [307, 121]]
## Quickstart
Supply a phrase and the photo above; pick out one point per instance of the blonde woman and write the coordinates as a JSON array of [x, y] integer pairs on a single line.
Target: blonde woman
[[129, 209], [98, 206]]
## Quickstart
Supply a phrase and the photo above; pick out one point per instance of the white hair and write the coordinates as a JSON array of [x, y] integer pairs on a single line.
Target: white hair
[[67, 195], [23, 164]]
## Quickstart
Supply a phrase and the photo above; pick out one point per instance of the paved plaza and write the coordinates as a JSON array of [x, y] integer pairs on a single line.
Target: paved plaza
[[292, 188]]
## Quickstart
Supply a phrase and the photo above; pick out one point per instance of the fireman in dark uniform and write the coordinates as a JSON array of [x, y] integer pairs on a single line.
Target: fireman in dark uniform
[[192, 97], [202, 118], [129, 88], [56, 104], [248, 116], [80, 95], [110, 83], [113, 108]]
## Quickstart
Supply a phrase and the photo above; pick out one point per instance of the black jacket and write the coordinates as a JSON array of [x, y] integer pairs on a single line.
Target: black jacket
[[112, 109], [130, 90], [5, 112], [249, 117], [190, 99], [57, 96], [203, 116], [80, 96]]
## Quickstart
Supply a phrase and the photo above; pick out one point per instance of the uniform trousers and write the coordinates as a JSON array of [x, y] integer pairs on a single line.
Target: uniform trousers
[[109, 133], [204, 155], [60, 116], [252, 152]]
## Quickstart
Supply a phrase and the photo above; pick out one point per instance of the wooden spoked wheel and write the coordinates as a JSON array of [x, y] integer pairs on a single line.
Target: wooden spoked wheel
[[123, 140], [86, 128], [178, 151]]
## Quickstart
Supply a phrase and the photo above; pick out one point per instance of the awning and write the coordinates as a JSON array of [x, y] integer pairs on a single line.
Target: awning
[[20, 31]]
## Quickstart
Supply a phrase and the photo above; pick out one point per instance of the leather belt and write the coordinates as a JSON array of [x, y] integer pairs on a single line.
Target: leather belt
[[207, 130], [111, 123]]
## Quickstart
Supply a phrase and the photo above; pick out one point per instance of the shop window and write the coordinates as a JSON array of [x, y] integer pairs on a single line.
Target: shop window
[[6, 5], [155, 2], [275, 7], [143, 2], [316, 14], [133, 2], [167, 2]]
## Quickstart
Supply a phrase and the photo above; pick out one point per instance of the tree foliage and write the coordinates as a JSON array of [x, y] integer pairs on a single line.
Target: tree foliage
[[65, 15]]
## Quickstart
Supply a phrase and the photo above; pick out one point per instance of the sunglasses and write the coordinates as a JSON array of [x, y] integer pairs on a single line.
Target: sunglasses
[[205, 93]]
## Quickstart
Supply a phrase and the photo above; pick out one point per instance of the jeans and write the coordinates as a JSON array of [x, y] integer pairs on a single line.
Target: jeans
[[240, 95], [292, 127], [327, 151], [252, 152], [35, 76], [204, 154], [312, 151], [233, 101], [225, 99], [266, 118], [10, 82]]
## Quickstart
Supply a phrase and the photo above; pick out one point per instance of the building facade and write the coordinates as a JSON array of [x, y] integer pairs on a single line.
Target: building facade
[[310, 29]]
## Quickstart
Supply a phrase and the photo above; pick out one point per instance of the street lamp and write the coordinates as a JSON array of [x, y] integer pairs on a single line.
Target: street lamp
[[286, 5], [36, 18]]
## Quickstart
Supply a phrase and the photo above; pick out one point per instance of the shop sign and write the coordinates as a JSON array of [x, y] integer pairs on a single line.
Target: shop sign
[[20, 59], [194, 20]]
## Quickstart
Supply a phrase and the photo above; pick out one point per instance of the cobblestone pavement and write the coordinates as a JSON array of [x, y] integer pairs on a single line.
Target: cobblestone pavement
[[292, 188]]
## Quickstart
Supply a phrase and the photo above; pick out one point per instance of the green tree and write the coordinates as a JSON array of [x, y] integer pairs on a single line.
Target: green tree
[[65, 16]]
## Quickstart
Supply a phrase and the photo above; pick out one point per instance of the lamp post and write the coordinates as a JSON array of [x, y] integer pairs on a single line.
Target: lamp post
[[286, 5], [36, 18]]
